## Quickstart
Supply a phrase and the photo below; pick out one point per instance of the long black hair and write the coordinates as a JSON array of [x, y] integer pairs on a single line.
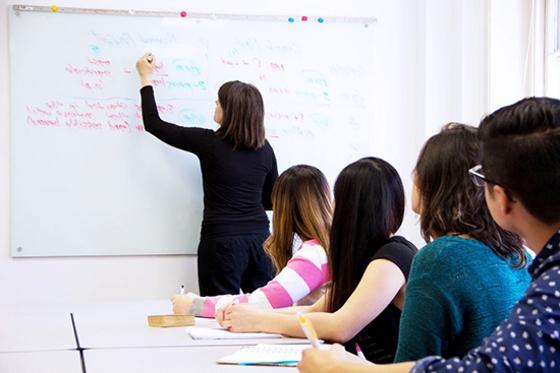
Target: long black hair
[[369, 208]]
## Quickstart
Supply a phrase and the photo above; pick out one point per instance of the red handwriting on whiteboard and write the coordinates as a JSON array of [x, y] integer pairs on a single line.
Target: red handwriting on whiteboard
[[284, 116], [98, 62], [115, 115], [42, 122], [75, 123], [86, 71], [278, 90], [118, 125], [277, 66], [97, 84]]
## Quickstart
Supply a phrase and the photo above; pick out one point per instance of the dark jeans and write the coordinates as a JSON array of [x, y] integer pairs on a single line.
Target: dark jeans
[[227, 264]]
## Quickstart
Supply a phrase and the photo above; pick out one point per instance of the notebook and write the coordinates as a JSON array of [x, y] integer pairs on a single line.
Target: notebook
[[219, 333], [266, 354]]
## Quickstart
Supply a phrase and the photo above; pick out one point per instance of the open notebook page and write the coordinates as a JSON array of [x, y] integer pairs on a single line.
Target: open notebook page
[[219, 333], [266, 354]]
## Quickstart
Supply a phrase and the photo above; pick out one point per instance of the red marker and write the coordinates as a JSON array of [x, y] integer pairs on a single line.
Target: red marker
[[183, 14], [304, 18]]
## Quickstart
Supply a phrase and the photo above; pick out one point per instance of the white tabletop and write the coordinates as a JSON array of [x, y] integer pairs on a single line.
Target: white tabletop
[[200, 359], [125, 324], [42, 361], [35, 328]]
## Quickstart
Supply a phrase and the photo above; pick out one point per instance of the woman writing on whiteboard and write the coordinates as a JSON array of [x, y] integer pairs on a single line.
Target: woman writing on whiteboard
[[238, 172]]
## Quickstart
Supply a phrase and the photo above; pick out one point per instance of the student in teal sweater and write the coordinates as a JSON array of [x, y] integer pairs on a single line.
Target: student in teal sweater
[[465, 281]]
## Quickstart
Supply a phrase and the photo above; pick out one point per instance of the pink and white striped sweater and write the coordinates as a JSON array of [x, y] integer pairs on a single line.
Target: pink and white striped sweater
[[302, 282]]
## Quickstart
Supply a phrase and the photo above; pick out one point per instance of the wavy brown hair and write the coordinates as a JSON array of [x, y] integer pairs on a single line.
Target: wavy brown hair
[[301, 204], [450, 203], [243, 120]]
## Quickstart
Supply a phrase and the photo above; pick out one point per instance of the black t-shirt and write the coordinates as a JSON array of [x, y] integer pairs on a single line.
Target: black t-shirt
[[237, 183], [378, 340]]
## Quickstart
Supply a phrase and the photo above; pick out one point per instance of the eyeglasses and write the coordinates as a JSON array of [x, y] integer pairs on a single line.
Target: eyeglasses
[[478, 177], [480, 180]]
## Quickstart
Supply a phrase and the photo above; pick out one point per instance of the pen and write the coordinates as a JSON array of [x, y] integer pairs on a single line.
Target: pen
[[182, 291], [308, 330], [359, 352]]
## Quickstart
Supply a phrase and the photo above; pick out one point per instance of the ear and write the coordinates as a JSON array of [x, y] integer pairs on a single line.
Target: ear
[[416, 200], [504, 203]]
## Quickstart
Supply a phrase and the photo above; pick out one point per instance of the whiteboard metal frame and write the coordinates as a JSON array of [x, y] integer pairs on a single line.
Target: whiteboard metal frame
[[195, 15]]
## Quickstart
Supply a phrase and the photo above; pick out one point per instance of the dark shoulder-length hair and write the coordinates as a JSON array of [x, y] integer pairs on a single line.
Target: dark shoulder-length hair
[[369, 208], [450, 203], [243, 115]]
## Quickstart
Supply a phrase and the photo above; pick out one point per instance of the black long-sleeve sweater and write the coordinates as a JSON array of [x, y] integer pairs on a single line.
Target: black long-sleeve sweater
[[237, 183]]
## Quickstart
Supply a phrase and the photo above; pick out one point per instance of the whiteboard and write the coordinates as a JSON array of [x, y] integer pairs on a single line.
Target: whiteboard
[[86, 179]]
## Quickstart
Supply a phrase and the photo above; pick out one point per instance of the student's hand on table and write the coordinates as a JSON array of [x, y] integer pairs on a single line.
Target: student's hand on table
[[182, 303], [315, 360], [242, 318], [220, 315]]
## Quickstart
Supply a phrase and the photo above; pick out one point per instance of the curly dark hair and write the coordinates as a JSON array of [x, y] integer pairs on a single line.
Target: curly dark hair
[[450, 202]]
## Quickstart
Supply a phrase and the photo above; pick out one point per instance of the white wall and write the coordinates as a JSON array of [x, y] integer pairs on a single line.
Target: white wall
[[508, 51], [456, 62], [432, 68]]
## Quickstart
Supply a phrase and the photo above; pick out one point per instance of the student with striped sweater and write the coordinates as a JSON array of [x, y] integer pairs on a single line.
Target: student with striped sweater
[[301, 201], [369, 263]]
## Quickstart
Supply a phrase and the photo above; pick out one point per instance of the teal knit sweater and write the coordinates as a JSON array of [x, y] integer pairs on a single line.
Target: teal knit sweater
[[458, 291]]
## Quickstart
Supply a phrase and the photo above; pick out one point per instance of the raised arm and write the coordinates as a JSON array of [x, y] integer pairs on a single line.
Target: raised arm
[[191, 139]]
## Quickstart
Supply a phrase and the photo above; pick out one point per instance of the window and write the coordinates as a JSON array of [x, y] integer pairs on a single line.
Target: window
[[556, 25], [552, 50]]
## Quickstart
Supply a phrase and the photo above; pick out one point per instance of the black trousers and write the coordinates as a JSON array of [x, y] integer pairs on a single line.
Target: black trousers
[[227, 264]]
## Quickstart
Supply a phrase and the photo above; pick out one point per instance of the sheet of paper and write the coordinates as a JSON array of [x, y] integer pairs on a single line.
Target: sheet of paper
[[219, 333], [266, 354]]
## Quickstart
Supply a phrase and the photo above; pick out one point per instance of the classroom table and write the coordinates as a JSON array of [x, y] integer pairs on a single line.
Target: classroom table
[[199, 359], [36, 328], [125, 325], [41, 361]]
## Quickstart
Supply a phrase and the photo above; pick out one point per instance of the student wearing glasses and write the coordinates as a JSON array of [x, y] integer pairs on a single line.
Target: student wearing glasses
[[521, 178]]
